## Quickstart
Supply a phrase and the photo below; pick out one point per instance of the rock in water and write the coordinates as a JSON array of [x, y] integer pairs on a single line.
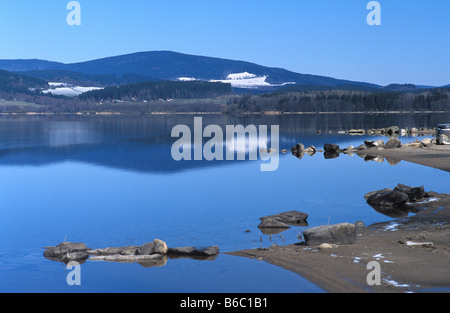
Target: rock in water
[[331, 148], [155, 247], [272, 223], [282, 220], [393, 143], [414, 193], [374, 144], [331, 151], [64, 248], [387, 198], [146, 249], [344, 233], [194, 251], [160, 247]]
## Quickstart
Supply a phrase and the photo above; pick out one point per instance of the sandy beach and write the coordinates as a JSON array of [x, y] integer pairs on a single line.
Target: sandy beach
[[435, 156], [413, 252]]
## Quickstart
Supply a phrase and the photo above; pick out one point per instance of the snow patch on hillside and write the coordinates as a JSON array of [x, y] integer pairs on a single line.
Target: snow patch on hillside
[[239, 76], [248, 80], [63, 89], [186, 79]]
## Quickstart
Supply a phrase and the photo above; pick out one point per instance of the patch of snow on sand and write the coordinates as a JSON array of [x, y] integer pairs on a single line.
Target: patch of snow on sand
[[395, 284], [392, 226]]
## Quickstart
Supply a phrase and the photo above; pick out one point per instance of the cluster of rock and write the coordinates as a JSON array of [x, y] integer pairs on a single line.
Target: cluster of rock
[[397, 202], [154, 253], [332, 151], [391, 131], [344, 233], [299, 150], [330, 236]]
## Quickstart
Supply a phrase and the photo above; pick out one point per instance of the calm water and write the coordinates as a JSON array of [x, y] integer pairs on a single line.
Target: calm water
[[112, 182]]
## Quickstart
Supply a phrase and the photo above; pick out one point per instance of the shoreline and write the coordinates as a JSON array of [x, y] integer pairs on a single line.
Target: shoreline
[[419, 268], [404, 268], [267, 113], [437, 157]]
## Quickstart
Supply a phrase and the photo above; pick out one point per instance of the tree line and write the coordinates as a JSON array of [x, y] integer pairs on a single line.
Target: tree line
[[343, 101], [150, 91]]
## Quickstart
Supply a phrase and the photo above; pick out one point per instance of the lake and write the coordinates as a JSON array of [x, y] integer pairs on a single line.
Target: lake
[[111, 181]]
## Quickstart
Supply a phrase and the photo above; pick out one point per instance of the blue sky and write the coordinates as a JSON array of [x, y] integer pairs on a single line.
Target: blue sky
[[323, 37]]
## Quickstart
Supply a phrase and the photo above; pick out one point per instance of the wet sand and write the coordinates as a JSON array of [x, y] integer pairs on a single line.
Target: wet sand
[[424, 267], [436, 156]]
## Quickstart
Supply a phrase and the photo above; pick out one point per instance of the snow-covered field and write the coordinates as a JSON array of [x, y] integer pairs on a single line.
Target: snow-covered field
[[243, 80], [63, 89]]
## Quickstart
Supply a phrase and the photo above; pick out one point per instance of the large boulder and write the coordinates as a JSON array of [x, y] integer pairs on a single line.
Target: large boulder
[[386, 198], [331, 151], [393, 143], [414, 193], [155, 247], [331, 148], [392, 130], [396, 203], [344, 233], [415, 144], [298, 150]]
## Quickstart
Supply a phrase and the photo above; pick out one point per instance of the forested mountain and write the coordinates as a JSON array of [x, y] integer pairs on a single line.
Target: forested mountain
[[15, 83], [137, 81], [167, 65]]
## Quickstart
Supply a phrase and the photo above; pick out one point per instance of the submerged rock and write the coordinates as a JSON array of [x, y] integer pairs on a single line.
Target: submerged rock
[[194, 251], [272, 223], [283, 220], [130, 250]]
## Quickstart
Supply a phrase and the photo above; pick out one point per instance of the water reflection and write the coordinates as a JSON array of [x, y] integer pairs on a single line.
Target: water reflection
[[94, 180], [144, 143], [151, 261]]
